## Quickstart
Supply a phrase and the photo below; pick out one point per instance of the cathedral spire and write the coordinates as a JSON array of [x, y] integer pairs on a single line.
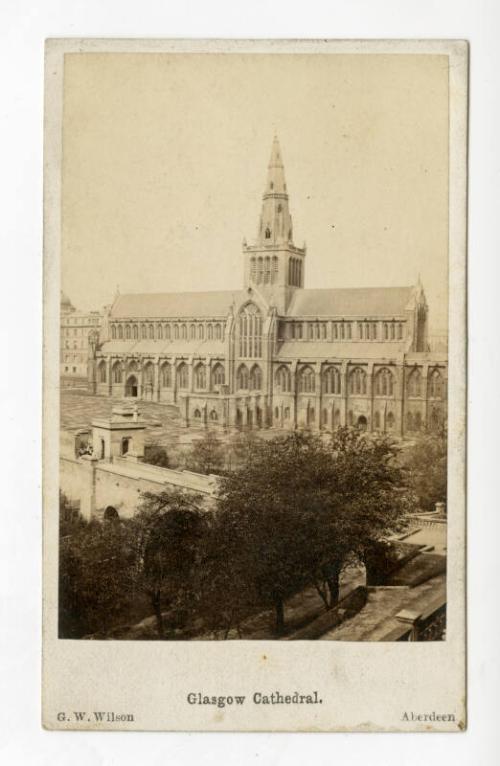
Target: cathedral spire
[[275, 225]]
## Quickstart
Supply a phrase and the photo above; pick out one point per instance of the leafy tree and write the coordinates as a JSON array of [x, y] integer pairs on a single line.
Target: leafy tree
[[96, 575], [207, 455], [170, 527], [427, 466], [300, 509], [156, 455]]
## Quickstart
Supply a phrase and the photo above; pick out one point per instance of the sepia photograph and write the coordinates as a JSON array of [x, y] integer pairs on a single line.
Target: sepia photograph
[[249, 324]]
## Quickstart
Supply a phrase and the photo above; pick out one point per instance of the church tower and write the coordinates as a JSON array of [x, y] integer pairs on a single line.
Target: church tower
[[274, 266]]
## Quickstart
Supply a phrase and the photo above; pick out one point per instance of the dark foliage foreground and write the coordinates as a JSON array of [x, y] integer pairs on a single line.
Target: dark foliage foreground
[[295, 513]]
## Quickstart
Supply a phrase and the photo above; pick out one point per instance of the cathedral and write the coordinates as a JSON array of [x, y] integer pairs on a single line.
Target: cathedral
[[276, 354]]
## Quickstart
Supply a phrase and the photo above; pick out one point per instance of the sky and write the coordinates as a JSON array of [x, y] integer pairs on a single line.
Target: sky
[[165, 156]]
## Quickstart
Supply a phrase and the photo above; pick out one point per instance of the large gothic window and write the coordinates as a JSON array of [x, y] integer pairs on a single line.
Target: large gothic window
[[384, 382], [331, 381], [415, 383], [117, 372], [283, 378], [250, 332], [357, 381], [307, 380]]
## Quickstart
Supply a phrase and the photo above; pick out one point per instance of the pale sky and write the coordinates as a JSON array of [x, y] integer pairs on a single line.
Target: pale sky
[[165, 157]]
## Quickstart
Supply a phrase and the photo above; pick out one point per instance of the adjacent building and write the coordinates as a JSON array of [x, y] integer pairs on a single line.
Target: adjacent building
[[75, 329], [275, 353]]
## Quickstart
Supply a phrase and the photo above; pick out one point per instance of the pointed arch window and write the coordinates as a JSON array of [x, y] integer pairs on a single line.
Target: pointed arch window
[[117, 372], [260, 270], [210, 332], [102, 372], [415, 383], [120, 332], [160, 332], [267, 271], [435, 385], [135, 332], [268, 233], [307, 381], [255, 379], [253, 269], [192, 332], [200, 376], [166, 375], [242, 378], [128, 332], [113, 332], [183, 332], [168, 332], [201, 332], [384, 382], [275, 269], [331, 381], [283, 378], [250, 332], [218, 332], [218, 375], [176, 332], [357, 381], [182, 376]]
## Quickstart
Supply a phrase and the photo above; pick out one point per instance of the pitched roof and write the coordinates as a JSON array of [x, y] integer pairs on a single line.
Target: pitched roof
[[165, 347], [359, 301], [307, 349], [163, 305]]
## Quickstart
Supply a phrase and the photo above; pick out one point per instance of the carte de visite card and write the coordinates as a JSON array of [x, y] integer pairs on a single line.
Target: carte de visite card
[[254, 385]]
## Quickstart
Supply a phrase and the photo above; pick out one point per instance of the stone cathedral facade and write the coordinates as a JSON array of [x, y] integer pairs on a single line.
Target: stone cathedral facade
[[274, 353]]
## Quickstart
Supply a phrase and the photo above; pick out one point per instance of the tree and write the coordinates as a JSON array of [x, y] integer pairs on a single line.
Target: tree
[[96, 574], [170, 527], [156, 455], [300, 508], [207, 455], [427, 466]]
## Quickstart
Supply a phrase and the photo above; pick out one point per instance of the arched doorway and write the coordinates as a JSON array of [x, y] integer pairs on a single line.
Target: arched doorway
[[111, 514], [362, 423], [131, 387]]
